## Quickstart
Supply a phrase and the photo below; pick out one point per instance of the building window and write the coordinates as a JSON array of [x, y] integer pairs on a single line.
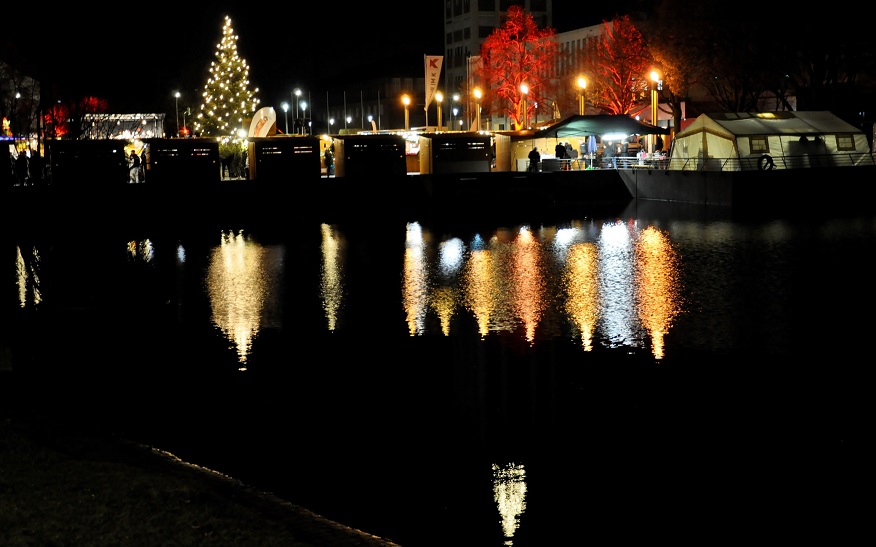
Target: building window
[[759, 145], [845, 143]]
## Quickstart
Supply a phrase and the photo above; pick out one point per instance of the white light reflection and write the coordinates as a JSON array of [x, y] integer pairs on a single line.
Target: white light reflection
[[528, 282], [509, 493], [27, 277], [242, 278], [415, 285], [444, 297], [658, 286], [616, 284], [332, 282]]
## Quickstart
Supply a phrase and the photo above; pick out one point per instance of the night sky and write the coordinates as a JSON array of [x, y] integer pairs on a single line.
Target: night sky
[[137, 55]]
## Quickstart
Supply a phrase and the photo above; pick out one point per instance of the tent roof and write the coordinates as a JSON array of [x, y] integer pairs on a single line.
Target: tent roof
[[600, 124], [774, 123]]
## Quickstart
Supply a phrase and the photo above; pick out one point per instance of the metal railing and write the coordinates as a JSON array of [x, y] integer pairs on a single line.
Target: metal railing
[[767, 162]]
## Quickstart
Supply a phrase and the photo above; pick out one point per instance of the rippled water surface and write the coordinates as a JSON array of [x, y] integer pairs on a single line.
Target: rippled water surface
[[447, 383]]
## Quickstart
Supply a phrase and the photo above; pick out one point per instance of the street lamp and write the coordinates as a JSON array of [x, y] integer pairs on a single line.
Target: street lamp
[[370, 121], [285, 107], [297, 94], [654, 78], [331, 123], [438, 98], [453, 114], [407, 101], [478, 95], [177, 96], [347, 120], [303, 115], [582, 85], [524, 91]]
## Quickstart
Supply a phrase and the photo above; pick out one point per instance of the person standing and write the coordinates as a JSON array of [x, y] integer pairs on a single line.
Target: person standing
[[143, 164], [133, 167], [534, 159], [329, 160]]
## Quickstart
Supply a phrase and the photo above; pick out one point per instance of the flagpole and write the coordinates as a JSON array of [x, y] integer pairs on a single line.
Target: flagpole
[[426, 108]]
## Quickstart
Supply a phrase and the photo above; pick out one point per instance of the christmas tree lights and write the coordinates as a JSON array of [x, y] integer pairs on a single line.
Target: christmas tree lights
[[227, 99]]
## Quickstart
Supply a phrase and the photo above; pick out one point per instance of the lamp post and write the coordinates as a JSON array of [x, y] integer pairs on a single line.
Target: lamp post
[[407, 101], [582, 85], [654, 78], [285, 107], [331, 123], [176, 99], [297, 94], [370, 121], [524, 91], [303, 115], [438, 98], [478, 95], [453, 114], [347, 120]]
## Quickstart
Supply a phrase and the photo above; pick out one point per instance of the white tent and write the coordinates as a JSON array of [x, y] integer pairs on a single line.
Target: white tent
[[769, 140]]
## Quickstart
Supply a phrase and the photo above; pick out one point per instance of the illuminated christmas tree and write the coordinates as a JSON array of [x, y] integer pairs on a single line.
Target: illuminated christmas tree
[[227, 99]]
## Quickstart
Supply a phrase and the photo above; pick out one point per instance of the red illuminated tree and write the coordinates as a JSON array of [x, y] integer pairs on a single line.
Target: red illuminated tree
[[621, 66], [518, 53]]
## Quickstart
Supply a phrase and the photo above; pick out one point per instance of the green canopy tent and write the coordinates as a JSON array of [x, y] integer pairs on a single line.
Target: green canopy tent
[[599, 124]]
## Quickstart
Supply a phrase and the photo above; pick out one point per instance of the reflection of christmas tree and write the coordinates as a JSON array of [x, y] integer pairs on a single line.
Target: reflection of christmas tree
[[228, 101]]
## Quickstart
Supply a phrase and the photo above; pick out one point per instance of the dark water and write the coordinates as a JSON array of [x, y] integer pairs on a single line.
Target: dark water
[[664, 373]]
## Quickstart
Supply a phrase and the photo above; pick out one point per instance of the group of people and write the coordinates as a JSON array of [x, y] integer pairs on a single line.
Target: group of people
[[137, 166]]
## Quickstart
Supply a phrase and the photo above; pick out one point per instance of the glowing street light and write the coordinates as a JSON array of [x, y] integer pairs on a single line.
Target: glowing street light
[[524, 91], [331, 123], [453, 114], [407, 101], [478, 95], [285, 107], [582, 85], [347, 120], [176, 94], [438, 98]]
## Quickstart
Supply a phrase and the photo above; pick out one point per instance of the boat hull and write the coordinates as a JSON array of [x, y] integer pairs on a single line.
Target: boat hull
[[754, 189]]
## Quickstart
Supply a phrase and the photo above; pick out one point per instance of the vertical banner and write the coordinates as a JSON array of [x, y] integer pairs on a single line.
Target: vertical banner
[[433, 74]]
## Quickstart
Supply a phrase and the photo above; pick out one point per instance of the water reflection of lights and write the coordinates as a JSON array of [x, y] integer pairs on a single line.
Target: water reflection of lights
[[479, 286], [609, 282], [141, 250], [416, 280], [509, 493], [581, 280], [528, 282], [616, 284], [444, 297], [27, 267], [332, 282], [657, 284], [242, 279]]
